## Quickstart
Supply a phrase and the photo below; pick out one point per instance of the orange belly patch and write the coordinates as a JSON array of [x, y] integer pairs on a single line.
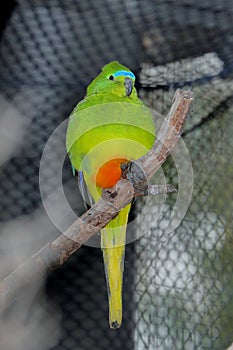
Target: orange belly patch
[[109, 173]]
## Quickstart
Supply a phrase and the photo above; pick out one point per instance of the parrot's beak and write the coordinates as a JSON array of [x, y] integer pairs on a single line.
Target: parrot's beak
[[128, 86]]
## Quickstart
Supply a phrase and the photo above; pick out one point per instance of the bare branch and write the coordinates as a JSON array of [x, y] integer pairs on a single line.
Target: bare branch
[[168, 134], [135, 176]]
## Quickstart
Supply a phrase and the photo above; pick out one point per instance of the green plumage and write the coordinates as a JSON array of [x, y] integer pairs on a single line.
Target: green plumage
[[111, 122]]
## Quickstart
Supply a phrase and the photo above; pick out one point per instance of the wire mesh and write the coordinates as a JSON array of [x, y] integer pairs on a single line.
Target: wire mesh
[[177, 285]]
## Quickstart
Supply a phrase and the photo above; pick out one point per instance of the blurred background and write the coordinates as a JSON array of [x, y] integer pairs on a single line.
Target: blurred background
[[178, 286]]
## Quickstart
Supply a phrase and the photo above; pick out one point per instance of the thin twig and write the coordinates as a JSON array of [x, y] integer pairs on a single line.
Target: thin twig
[[55, 253]]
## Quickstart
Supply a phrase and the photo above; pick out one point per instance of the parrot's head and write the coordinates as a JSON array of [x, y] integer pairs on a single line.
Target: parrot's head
[[114, 79]]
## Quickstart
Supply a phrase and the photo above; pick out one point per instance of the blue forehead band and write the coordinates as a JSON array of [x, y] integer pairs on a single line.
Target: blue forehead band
[[124, 73]]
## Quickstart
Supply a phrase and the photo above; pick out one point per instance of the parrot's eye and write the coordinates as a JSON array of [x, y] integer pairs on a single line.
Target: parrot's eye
[[111, 77]]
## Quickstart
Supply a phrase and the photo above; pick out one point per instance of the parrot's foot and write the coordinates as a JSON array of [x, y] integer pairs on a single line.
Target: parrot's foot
[[135, 174], [114, 325]]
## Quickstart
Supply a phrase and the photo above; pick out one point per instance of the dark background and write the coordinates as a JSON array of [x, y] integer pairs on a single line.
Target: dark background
[[177, 287]]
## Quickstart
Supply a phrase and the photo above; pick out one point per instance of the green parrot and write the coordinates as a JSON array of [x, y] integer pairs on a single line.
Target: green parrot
[[110, 126]]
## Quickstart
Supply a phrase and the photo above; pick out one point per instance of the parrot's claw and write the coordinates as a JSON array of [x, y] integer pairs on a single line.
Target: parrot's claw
[[134, 173]]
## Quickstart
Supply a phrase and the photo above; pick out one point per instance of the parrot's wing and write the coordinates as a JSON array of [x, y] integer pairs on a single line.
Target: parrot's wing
[[88, 200]]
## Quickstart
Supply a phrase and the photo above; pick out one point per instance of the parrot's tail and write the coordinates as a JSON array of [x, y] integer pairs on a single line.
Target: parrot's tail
[[113, 247]]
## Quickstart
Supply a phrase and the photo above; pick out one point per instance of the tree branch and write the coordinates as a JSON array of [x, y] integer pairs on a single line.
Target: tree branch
[[134, 182]]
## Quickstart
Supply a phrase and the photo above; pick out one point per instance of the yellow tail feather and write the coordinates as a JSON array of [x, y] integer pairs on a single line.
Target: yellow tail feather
[[113, 247]]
